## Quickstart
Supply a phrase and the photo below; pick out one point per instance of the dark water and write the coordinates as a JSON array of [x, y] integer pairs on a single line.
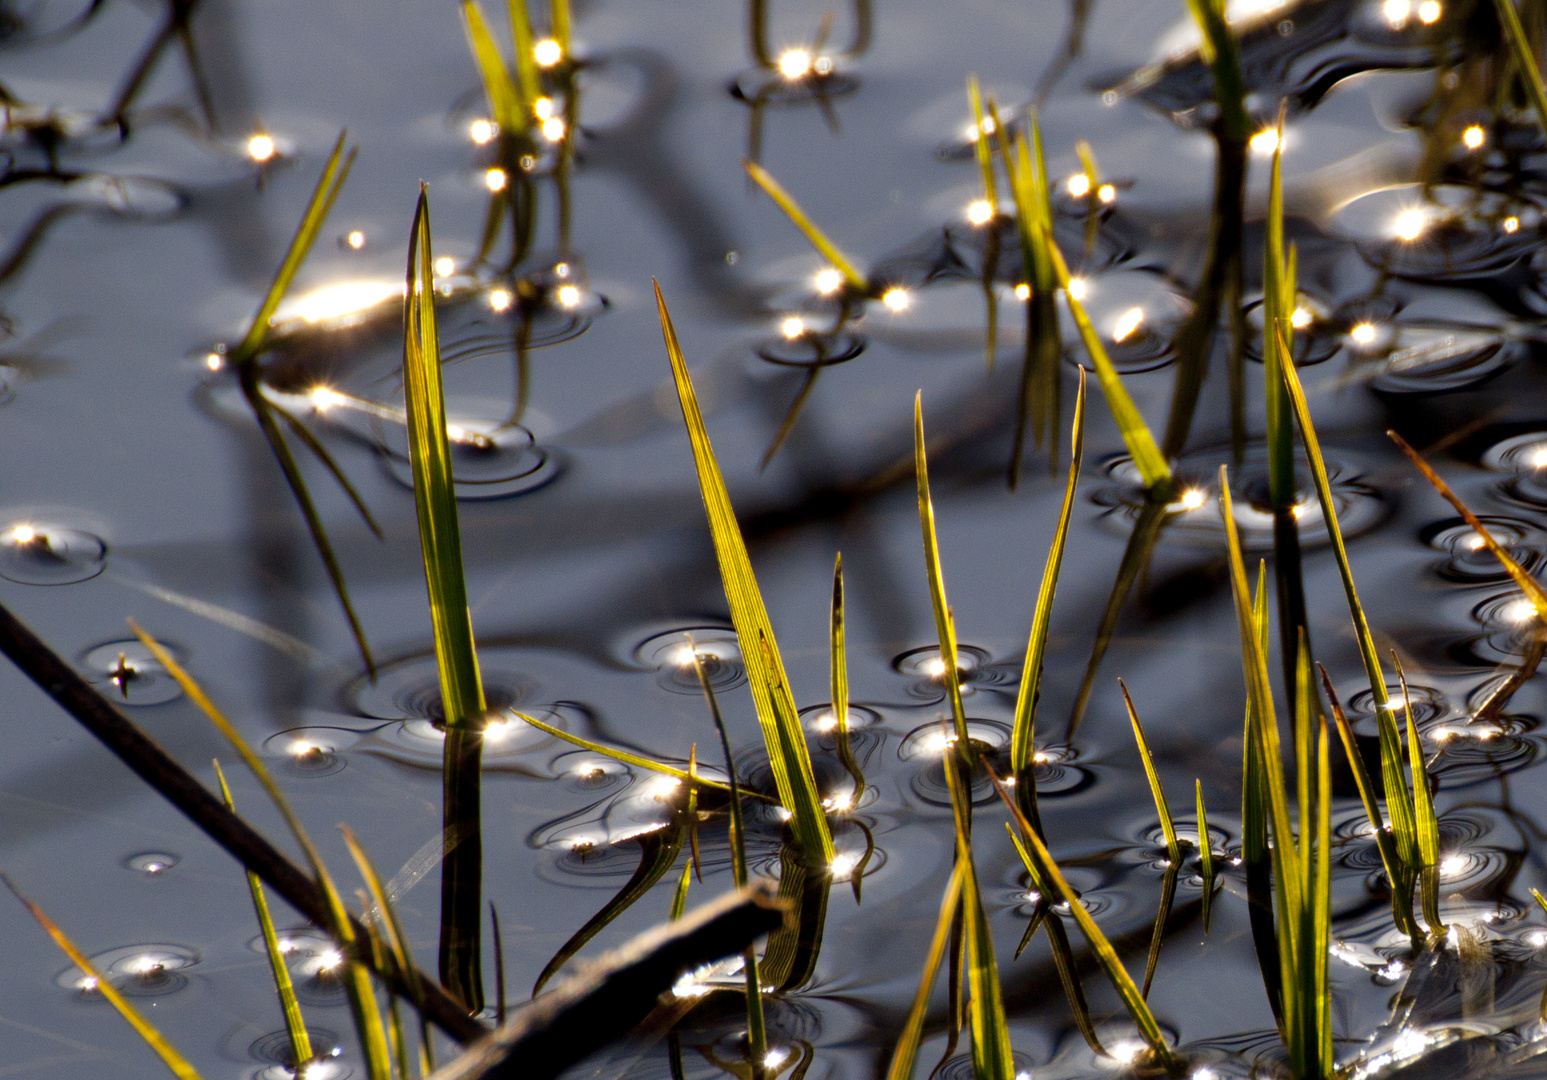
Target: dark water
[[584, 533]]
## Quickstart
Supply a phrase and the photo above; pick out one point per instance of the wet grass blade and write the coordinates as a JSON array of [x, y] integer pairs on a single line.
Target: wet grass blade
[[1106, 955], [991, 1055], [501, 91], [357, 982], [857, 281], [320, 452], [1524, 54], [1205, 854], [1424, 821], [142, 1027], [658, 851], [1519, 574], [1254, 838], [1167, 826], [383, 912], [945, 627], [782, 732], [625, 757], [905, 1051], [1023, 729], [1146, 455], [461, 686], [295, 1024], [839, 666], [1158, 935]]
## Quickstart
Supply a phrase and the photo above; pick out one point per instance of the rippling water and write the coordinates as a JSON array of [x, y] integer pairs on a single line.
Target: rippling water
[[136, 484]]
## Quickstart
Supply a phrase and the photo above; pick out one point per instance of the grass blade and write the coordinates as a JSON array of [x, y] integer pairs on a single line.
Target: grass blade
[[857, 281], [503, 95], [1254, 838], [1524, 55], [1158, 935], [1205, 854], [300, 1041], [625, 757], [153, 1038], [991, 1055], [1424, 821], [1146, 455], [1023, 729], [840, 690], [357, 982], [1173, 845], [782, 733], [559, 23], [679, 899], [461, 687], [945, 627], [905, 1052], [526, 58]]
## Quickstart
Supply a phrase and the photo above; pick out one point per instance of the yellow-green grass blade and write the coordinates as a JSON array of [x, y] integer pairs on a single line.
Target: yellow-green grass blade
[[691, 814], [328, 185], [1045, 382], [1519, 574], [1524, 54], [1205, 854], [980, 144], [1311, 1046], [1023, 729], [1398, 802], [526, 57], [295, 1024], [1254, 836], [625, 757], [1146, 455], [434, 492], [857, 281], [560, 21], [1362, 781], [905, 1052], [1038, 272], [362, 997], [679, 899], [503, 95], [839, 667], [1423, 800], [1305, 749], [782, 733], [945, 628], [1158, 934], [1106, 955], [1275, 329], [1087, 158], [991, 1054], [152, 1038], [320, 452], [1167, 826]]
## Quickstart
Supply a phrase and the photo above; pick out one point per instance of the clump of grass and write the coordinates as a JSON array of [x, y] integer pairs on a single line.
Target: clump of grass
[[462, 700], [776, 713]]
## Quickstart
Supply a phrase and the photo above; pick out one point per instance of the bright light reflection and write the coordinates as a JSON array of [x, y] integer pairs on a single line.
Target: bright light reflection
[[347, 298], [895, 299], [1362, 334], [260, 148], [88, 984], [214, 361], [826, 722], [497, 730], [1023, 291], [1106, 193], [1127, 1051], [843, 865], [300, 748], [481, 131], [934, 667], [1191, 499], [499, 299], [543, 107], [1077, 288], [495, 179], [553, 129], [828, 281], [1300, 319], [1539, 459], [1519, 611], [1397, 12], [445, 266], [1127, 323], [24, 534], [1265, 141], [937, 741], [1204, 1073], [330, 960], [1410, 224], [1473, 137], [1429, 12], [1078, 186], [1453, 866], [793, 327], [775, 1057], [795, 64], [1511, 224], [547, 53], [980, 212], [569, 296]]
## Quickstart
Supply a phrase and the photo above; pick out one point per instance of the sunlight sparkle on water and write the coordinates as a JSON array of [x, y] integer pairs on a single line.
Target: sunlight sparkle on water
[[1539, 458], [1265, 141], [495, 179], [1519, 611], [895, 299], [324, 398], [547, 53], [543, 107], [1077, 288], [345, 298], [1106, 193], [1453, 866], [481, 131], [23, 534], [1429, 12], [980, 212], [260, 148], [1127, 1051], [1410, 224], [1023, 291], [795, 64], [330, 960], [843, 865], [793, 327], [1300, 319], [499, 299], [553, 129], [1397, 12], [1363, 334], [445, 266], [1473, 137], [1127, 323], [1078, 186], [828, 281], [1191, 499], [569, 296], [775, 1057], [214, 361]]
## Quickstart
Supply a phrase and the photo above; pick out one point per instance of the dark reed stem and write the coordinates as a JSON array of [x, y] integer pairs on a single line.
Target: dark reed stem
[[175, 784]]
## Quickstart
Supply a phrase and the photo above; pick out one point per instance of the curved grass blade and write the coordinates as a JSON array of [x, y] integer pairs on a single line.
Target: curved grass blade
[[1023, 729], [1106, 955], [142, 1027], [1524, 55], [782, 732], [857, 281], [295, 1024], [692, 812], [1424, 821], [1254, 838], [945, 627], [1167, 826], [1205, 855], [627, 758], [840, 690], [503, 95], [311, 442], [1158, 935], [461, 687], [357, 982], [658, 851], [905, 1052], [559, 23]]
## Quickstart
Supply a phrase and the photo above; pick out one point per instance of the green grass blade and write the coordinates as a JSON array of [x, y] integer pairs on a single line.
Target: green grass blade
[[1423, 802], [1106, 955], [991, 1054], [905, 1052], [980, 144], [559, 20], [624, 756], [1524, 54], [142, 1027], [1275, 330], [1147, 457], [1254, 838], [526, 58], [1087, 158], [503, 96], [295, 1024], [857, 281], [320, 452], [357, 983], [1219, 51], [945, 627], [1023, 730], [679, 899], [1205, 854], [1167, 826], [383, 911], [839, 666], [328, 185], [1398, 801], [1158, 934], [782, 733]]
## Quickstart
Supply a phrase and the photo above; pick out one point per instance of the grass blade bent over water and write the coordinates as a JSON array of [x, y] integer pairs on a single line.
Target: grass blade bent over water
[[776, 714], [462, 700]]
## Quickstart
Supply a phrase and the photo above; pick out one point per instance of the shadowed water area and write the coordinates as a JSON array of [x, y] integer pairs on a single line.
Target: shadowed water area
[[140, 225]]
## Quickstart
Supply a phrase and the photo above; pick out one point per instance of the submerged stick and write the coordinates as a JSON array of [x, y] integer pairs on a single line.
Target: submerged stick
[[605, 1001], [179, 787]]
